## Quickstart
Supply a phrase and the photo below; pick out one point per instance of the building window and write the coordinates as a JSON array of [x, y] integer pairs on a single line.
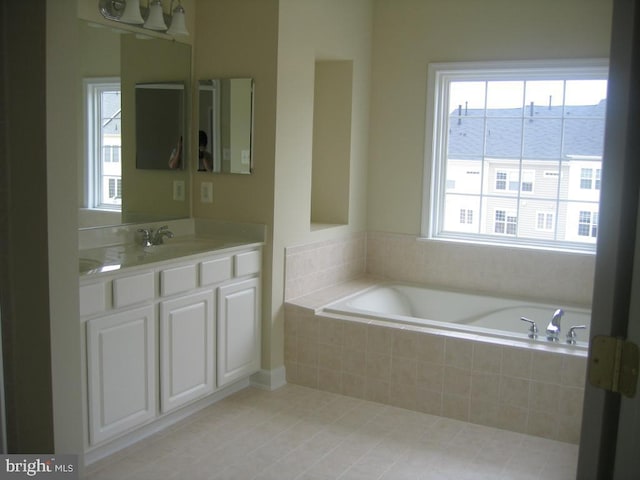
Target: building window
[[103, 165], [534, 131], [586, 175], [588, 224], [111, 153], [115, 188], [544, 221], [505, 223], [590, 178], [466, 216]]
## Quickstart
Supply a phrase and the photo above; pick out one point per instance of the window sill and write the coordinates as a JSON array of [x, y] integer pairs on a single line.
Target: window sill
[[491, 243]]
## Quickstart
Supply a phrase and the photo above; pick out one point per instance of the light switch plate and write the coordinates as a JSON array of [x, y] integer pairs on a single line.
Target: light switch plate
[[206, 192], [178, 190]]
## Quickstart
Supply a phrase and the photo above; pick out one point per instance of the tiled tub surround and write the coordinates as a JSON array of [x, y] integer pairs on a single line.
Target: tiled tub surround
[[547, 276], [512, 385], [508, 385], [318, 265]]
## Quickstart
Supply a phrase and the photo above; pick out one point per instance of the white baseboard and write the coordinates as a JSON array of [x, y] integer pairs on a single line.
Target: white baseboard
[[269, 379]]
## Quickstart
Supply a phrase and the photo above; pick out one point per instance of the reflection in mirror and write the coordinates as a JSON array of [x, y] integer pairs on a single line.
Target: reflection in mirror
[[225, 125], [160, 126], [136, 195]]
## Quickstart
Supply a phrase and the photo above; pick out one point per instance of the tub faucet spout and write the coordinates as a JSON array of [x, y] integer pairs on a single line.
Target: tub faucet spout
[[553, 329]]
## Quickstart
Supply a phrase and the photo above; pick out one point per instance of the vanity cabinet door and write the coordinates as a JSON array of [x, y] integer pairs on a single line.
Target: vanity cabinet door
[[121, 362], [238, 330], [187, 342]]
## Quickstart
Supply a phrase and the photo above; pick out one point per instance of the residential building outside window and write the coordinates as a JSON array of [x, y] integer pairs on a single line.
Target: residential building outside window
[[534, 134], [103, 167]]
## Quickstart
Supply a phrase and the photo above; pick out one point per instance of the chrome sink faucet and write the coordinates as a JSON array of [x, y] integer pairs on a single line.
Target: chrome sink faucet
[[155, 237], [553, 329]]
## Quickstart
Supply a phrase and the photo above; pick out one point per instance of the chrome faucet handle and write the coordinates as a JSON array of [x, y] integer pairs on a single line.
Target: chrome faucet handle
[[571, 334], [158, 238], [533, 328], [146, 236]]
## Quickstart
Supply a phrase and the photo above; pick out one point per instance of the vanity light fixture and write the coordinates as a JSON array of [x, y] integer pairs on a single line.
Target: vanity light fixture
[[178, 21], [121, 11], [129, 11], [155, 18]]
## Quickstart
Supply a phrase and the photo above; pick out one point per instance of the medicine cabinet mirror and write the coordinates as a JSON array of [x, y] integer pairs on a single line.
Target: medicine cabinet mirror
[[225, 125]]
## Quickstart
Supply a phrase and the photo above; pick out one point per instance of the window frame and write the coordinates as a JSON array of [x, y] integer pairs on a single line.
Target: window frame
[[437, 113], [94, 181]]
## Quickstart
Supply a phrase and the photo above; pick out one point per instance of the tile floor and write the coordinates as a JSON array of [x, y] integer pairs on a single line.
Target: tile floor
[[306, 434]]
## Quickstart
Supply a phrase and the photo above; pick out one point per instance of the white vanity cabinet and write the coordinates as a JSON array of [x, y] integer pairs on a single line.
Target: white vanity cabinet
[[187, 339], [121, 364], [166, 335], [238, 330]]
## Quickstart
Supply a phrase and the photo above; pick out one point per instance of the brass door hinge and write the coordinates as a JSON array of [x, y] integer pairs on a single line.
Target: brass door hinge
[[613, 365]]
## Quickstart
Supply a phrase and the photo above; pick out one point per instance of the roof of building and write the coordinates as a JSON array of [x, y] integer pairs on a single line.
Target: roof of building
[[111, 113], [547, 134]]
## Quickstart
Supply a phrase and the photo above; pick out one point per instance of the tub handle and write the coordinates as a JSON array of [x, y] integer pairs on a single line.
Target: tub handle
[[533, 328], [571, 334]]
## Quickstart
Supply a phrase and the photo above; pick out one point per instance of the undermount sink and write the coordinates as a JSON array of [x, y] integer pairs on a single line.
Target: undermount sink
[[87, 265]]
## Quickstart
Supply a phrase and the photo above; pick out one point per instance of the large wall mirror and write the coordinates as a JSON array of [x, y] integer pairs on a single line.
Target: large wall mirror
[[115, 67], [225, 125]]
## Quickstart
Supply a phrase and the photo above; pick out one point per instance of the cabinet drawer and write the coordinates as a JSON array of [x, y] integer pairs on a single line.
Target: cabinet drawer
[[215, 271], [93, 299], [247, 263], [177, 280], [133, 289]]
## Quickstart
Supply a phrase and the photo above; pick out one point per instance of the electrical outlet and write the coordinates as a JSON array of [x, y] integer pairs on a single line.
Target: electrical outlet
[[206, 192], [178, 190]]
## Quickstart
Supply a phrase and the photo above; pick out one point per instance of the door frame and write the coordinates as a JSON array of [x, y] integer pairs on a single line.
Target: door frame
[[601, 439]]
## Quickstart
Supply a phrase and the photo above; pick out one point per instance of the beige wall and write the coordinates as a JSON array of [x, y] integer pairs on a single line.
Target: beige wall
[[277, 43], [310, 30], [150, 61], [409, 34], [239, 39]]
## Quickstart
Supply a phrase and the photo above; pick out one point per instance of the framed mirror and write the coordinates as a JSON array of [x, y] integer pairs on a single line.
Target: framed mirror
[[225, 125]]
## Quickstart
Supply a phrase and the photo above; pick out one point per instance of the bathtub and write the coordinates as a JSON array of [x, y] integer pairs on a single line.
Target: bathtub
[[450, 311]]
